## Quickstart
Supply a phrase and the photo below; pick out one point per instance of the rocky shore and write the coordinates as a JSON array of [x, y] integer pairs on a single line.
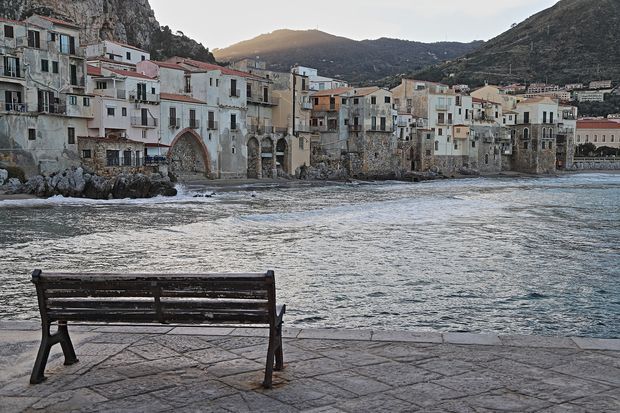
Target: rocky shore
[[78, 183]]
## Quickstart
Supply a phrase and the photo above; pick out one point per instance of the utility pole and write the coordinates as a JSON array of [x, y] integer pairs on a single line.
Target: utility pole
[[294, 96]]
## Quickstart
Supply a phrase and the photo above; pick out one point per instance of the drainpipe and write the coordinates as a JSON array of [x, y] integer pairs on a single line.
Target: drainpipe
[[294, 96]]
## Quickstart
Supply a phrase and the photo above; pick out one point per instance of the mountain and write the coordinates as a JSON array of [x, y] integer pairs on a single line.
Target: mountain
[[573, 41], [131, 22], [366, 61]]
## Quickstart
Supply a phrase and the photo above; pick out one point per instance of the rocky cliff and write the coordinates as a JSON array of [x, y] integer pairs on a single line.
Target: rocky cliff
[[131, 22]]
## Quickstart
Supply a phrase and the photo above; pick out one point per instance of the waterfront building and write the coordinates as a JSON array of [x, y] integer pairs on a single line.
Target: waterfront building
[[600, 132], [43, 102], [592, 95]]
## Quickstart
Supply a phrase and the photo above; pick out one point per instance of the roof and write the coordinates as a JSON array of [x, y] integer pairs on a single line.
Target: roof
[[106, 59], [211, 66], [365, 91], [58, 21], [180, 98], [332, 92], [129, 73], [169, 65], [93, 70], [538, 99], [597, 124], [109, 139], [10, 21], [126, 45], [156, 145]]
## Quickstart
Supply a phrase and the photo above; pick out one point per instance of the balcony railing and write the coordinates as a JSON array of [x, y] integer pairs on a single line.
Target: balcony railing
[[260, 128], [441, 106], [212, 125], [8, 71], [52, 108], [194, 123], [318, 128], [148, 97], [306, 105], [111, 93], [174, 123], [143, 122], [355, 128], [13, 107]]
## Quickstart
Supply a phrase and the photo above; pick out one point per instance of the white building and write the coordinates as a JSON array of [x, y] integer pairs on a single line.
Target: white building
[[117, 52]]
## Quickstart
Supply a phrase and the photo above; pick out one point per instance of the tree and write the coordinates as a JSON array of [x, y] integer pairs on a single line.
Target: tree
[[585, 149]]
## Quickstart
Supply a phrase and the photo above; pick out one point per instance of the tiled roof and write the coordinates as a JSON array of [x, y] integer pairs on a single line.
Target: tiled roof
[[129, 73], [93, 70], [365, 91], [10, 21], [58, 21], [332, 92], [211, 66], [169, 65], [105, 59], [597, 124], [180, 98]]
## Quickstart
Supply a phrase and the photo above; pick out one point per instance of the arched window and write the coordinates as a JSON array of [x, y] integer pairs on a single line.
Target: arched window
[[603, 138], [578, 138], [595, 138], [436, 145], [544, 135], [526, 133]]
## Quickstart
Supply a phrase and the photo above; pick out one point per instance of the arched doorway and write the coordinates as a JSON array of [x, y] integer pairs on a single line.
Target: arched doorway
[[267, 160], [254, 158], [282, 161], [188, 155]]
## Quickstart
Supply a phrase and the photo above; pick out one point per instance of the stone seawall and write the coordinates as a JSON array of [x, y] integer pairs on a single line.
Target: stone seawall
[[596, 164]]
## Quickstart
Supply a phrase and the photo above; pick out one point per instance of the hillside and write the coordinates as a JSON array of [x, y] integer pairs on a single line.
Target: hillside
[[131, 22], [573, 41], [366, 61]]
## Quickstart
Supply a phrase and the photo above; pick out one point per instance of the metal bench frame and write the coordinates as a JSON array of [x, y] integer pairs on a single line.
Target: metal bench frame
[[222, 299]]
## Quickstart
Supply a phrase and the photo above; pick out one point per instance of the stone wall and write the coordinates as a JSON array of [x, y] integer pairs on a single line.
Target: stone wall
[[529, 155], [98, 162], [596, 164]]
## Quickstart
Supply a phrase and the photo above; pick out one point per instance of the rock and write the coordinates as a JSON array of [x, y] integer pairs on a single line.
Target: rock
[[14, 186], [98, 187], [4, 176]]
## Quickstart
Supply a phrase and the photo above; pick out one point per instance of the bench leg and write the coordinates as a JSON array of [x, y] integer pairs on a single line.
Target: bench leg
[[66, 344], [279, 355], [47, 342], [37, 375], [269, 366]]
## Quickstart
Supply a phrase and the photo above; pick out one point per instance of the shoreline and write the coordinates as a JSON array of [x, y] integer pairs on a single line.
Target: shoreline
[[265, 184]]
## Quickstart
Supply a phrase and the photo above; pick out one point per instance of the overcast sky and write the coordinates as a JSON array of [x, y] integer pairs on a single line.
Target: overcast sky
[[218, 24]]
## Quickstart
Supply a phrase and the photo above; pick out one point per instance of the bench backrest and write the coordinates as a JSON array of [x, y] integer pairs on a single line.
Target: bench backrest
[[157, 298]]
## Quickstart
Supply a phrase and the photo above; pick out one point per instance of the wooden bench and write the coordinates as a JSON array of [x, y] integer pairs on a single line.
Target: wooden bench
[[222, 299]]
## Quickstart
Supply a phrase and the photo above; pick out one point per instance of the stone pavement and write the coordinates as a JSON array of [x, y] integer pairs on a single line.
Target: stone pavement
[[196, 369]]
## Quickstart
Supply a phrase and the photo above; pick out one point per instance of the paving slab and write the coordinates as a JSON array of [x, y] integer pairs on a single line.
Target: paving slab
[[185, 369]]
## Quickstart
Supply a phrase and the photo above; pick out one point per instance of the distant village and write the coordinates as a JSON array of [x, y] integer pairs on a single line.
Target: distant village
[[109, 107]]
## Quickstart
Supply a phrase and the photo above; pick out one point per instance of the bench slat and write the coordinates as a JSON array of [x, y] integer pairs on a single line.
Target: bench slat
[[56, 304], [194, 317], [189, 293], [124, 277]]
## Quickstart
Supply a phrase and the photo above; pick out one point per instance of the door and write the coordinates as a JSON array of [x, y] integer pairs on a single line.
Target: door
[[142, 91], [145, 117]]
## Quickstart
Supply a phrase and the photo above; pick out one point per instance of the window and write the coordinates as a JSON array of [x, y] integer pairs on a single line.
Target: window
[[86, 102], [526, 133], [526, 145], [383, 123], [188, 84], [456, 145], [152, 90], [544, 117], [55, 67], [388, 99], [603, 138], [71, 136], [217, 82], [210, 81], [440, 132], [126, 158], [543, 144], [101, 85], [248, 90], [301, 143], [587, 138], [550, 145], [45, 65], [233, 121], [595, 138], [112, 158], [473, 144], [373, 123], [344, 101], [373, 100], [428, 136], [303, 84], [172, 115], [128, 55], [356, 101], [73, 75], [87, 154], [111, 111], [496, 115], [612, 138], [124, 111], [579, 138], [316, 101], [34, 39], [32, 134], [526, 117], [67, 44], [436, 145], [233, 88], [8, 32], [550, 117], [486, 159], [72, 100]]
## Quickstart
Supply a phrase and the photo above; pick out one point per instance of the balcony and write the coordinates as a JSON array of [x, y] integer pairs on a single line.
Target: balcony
[[318, 128], [54, 108], [565, 130], [441, 106], [306, 105], [260, 129], [356, 128], [174, 123], [212, 125], [194, 123], [235, 93], [147, 98], [380, 128], [141, 122], [271, 101], [111, 93], [13, 107]]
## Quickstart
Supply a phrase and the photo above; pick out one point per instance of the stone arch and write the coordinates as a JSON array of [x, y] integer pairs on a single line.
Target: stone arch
[[282, 156], [267, 157], [254, 158], [188, 154]]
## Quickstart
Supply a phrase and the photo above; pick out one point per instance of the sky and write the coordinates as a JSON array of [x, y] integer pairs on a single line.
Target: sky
[[219, 24]]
